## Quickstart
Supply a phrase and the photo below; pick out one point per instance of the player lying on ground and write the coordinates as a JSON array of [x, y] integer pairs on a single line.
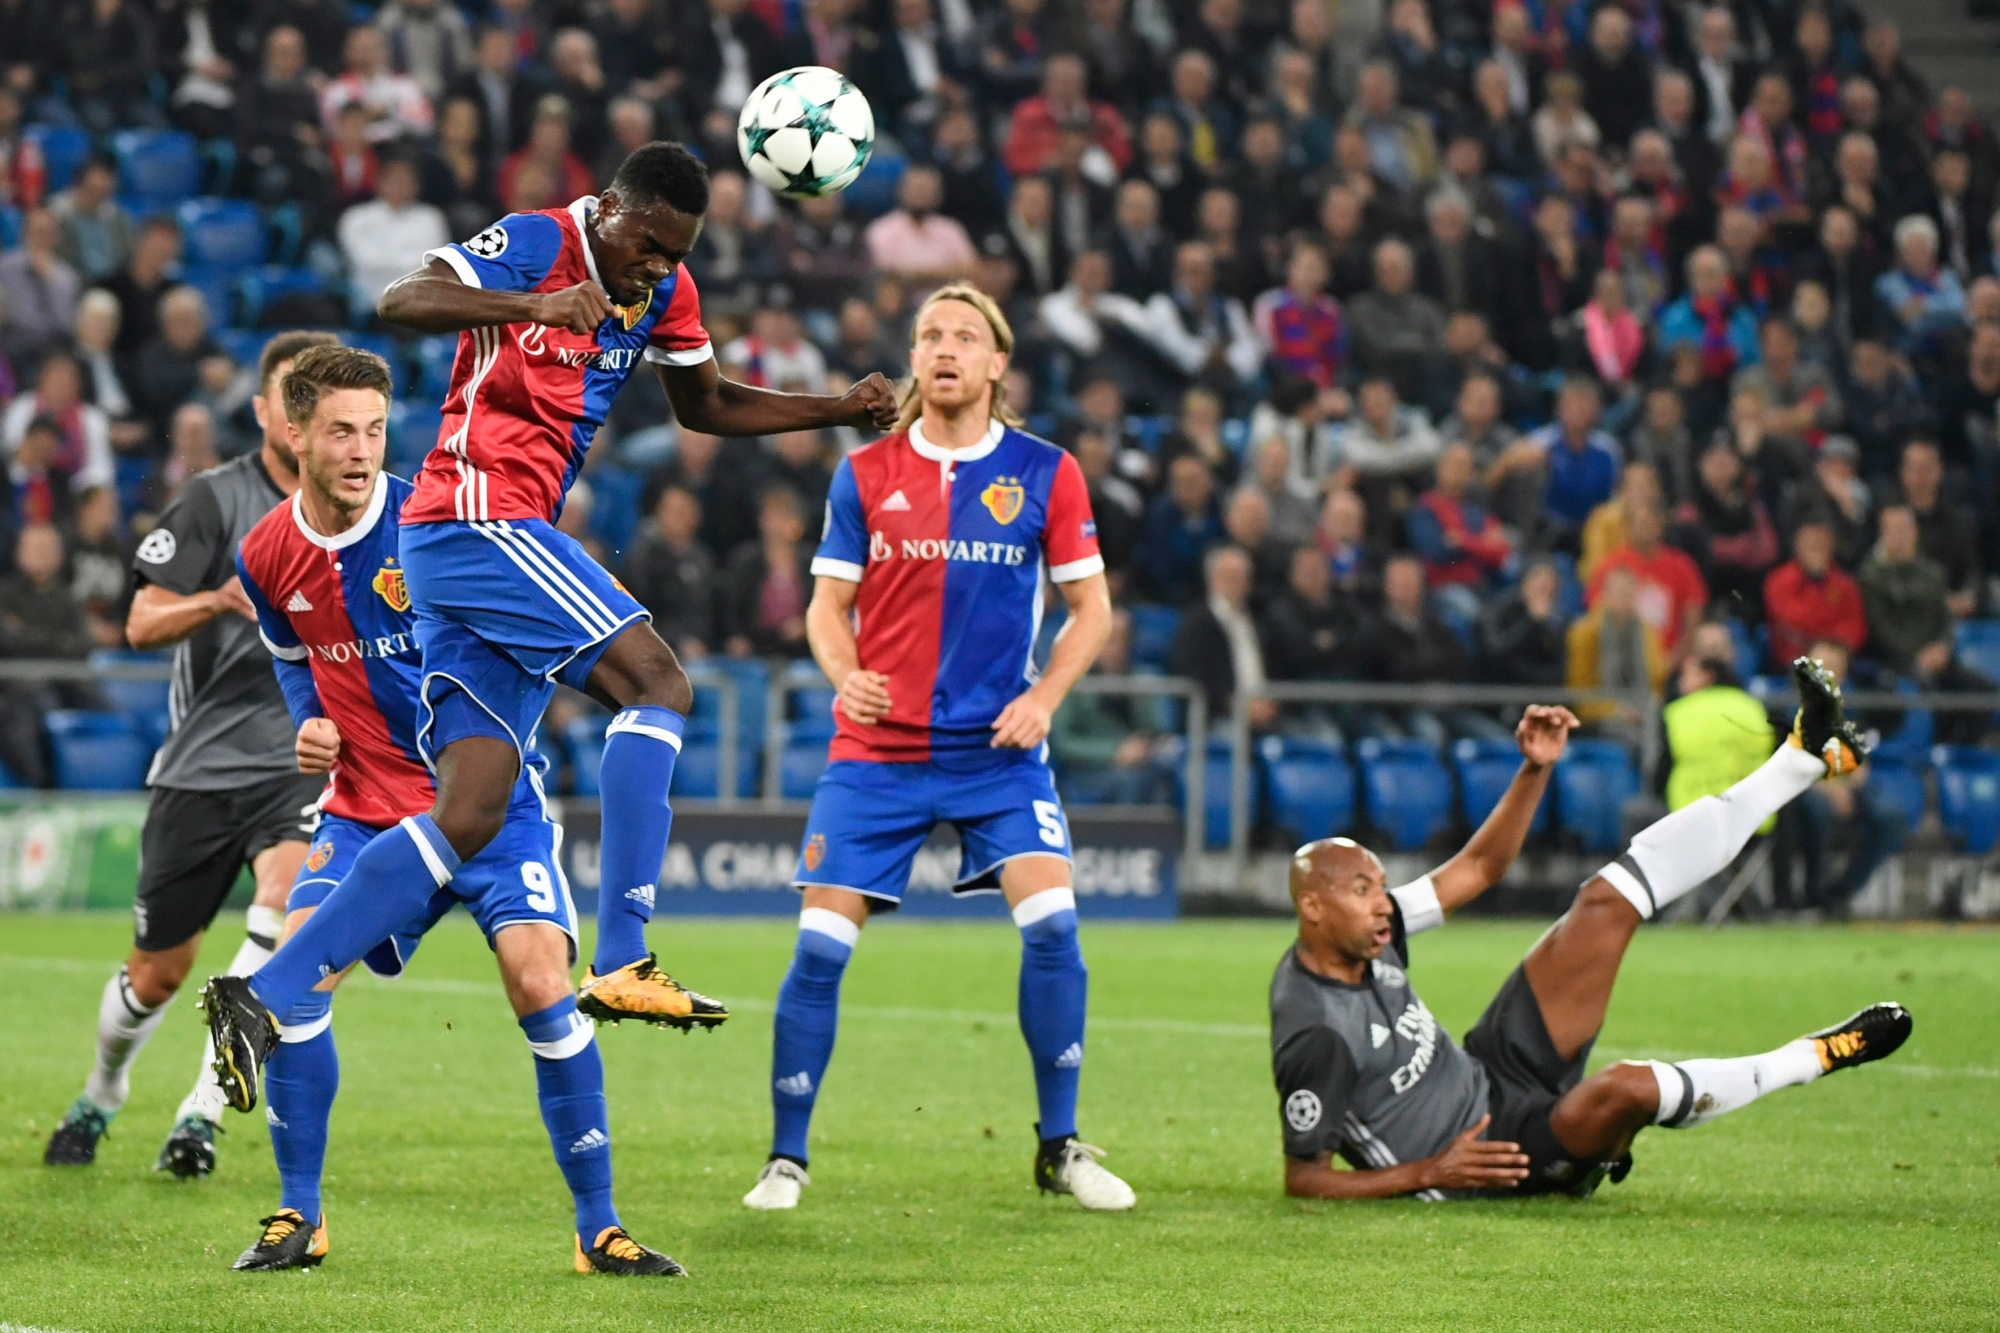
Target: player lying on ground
[[936, 544], [555, 310], [1363, 1069], [325, 577], [225, 794]]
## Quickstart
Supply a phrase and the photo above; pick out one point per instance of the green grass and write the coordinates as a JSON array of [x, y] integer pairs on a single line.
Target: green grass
[[1869, 1200]]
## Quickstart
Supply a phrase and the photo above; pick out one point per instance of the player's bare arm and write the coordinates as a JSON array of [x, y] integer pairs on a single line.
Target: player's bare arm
[[1542, 734], [1024, 723], [318, 746], [704, 400], [161, 619], [433, 300], [864, 695], [1470, 1163]]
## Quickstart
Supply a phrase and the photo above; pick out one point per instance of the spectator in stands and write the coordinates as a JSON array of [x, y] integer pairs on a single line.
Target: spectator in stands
[[38, 288], [1604, 530], [1802, 403], [548, 147], [1475, 421], [99, 564], [1138, 246], [1386, 446], [864, 348], [1396, 328], [1198, 431], [578, 78], [1925, 299], [1614, 648], [1662, 441], [1669, 593], [456, 180], [1835, 495], [1847, 268], [1885, 406], [1182, 522], [1162, 162], [1875, 823], [431, 41], [1401, 146], [1608, 342], [1562, 121], [1246, 521], [38, 619], [38, 490], [1202, 334], [1968, 401], [1464, 550], [168, 370], [396, 104], [673, 575], [628, 123], [765, 586], [775, 353], [915, 241], [96, 229], [1735, 539], [1301, 324], [103, 374], [1208, 123], [1945, 532], [825, 261], [191, 448], [1081, 313], [1116, 505], [1293, 510], [1311, 630], [1617, 77], [907, 72], [1717, 732], [388, 236], [351, 159], [84, 451], [727, 516], [731, 254], [323, 24], [1412, 645], [1063, 100], [1810, 598], [797, 463], [1576, 463], [726, 49], [105, 53], [1710, 318], [1112, 748], [500, 85], [1910, 625], [1216, 644], [1522, 638], [279, 136], [1354, 561]]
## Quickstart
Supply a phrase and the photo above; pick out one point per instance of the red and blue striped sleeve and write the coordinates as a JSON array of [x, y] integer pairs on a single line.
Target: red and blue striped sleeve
[[289, 656], [512, 255], [678, 338], [1069, 536], [843, 546]]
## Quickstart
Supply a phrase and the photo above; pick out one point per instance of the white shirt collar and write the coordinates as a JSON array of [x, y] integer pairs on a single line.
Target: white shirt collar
[[581, 209], [362, 526], [972, 453]]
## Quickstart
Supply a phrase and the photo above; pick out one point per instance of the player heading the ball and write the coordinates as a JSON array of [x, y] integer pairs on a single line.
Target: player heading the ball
[[927, 596]]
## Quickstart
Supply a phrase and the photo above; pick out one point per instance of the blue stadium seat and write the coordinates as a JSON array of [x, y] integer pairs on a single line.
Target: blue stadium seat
[[153, 727], [1969, 795], [223, 233], [874, 190], [614, 512], [1310, 786], [221, 290], [157, 169], [96, 751], [265, 284], [1485, 770], [583, 737], [64, 148], [753, 682], [1569, 588], [1216, 795], [799, 769], [1149, 431], [1979, 646], [244, 346], [434, 357], [413, 429], [8, 782], [810, 706], [1153, 629], [10, 227], [134, 698], [1900, 782], [1407, 791], [1594, 779], [389, 350], [695, 772], [1748, 656], [1910, 743]]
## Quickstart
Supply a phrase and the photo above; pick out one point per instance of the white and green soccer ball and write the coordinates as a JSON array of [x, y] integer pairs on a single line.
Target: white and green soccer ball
[[806, 132]]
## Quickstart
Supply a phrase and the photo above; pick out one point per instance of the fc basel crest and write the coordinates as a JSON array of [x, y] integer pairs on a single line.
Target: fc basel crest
[[815, 851], [1003, 499], [632, 314], [389, 583], [321, 854]]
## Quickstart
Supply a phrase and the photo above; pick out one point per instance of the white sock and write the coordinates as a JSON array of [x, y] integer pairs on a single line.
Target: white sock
[[206, 1099], [1693, 844], [263, 925], [1695, 1091], [123, 1028]]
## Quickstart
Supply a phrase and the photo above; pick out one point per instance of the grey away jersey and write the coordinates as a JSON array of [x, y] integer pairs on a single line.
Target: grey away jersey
[[1366, 1071], [230, 728]]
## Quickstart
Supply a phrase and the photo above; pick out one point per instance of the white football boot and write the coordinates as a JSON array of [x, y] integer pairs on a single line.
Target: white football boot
[[1071, 1168], [779, 1185]]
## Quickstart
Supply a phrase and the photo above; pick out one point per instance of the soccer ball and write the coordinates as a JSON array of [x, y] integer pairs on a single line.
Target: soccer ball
[[806, 132]]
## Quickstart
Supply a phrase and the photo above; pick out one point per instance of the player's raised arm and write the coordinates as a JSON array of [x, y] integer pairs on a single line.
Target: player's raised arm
[[1480, 864], [705, 401], [435, 299]]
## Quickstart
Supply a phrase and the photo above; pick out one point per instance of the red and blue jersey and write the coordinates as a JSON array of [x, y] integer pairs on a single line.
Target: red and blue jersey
[[335, 614], [950, 549], [525, 399]]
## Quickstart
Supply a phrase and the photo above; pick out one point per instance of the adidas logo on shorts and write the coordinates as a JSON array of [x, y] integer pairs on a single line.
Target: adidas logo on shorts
[[298, 603], [798, 1085]]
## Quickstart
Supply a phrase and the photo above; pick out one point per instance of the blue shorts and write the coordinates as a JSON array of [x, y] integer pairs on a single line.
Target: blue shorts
[[869, 819], [515, 878], [506, 610]]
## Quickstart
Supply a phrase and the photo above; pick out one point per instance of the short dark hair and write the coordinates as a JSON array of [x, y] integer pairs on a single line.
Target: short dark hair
[[286, 347], [663, 172], [330, 368]]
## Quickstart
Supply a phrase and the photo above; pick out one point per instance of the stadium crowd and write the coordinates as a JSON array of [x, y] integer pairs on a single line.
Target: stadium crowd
[[1430, 340]]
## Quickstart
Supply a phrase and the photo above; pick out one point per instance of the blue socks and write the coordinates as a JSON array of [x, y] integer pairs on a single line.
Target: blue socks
[[802, 1034], [569, 1082], [1054, 987], [640, 747], [391, 883], [299, 1085]]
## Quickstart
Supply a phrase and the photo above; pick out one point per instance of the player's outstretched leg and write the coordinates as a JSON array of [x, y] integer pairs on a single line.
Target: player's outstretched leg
[[124, 1025], [1572, 968], [1054, 991], [303, 1078], [639, 674], [189, 1151], [802, 1036], [391, 883]]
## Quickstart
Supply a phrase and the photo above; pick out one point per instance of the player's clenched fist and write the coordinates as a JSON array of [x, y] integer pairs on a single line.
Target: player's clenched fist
[[318, 745], [864, 695], [871, 402], [580, 309]]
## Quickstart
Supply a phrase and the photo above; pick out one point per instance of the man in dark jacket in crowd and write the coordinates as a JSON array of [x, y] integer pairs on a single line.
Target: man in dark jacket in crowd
[[38, 618], [673, 574], [1181, 524], [1217, 644], [1910, 623], [1521, 638], [1413, 645]]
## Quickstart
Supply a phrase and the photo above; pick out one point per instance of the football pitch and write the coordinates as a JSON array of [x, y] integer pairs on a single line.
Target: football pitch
[[1870, 1200]]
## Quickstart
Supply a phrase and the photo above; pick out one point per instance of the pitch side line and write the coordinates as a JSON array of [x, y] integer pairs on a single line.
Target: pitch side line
[[905, 1013]]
